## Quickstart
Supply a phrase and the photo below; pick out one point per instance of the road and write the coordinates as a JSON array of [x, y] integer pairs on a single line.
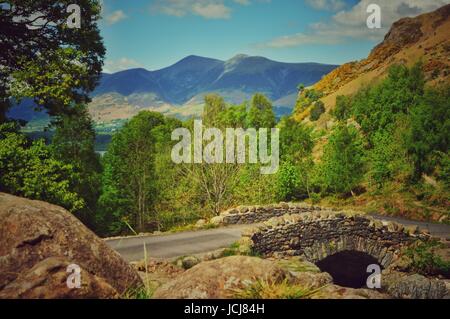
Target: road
[[175, 245], [194, 242]]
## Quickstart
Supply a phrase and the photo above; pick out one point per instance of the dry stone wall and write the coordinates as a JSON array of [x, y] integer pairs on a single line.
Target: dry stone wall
[[258, 214]]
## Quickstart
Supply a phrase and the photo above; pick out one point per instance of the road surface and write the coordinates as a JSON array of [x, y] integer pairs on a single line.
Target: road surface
[[175, 245], [194, 242]]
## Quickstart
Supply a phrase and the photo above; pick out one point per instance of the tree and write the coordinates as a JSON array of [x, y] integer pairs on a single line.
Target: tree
[[379, 106], [430, 129], [28, 169], [129, 180], [261, 114], [73, 143], [343, 163], [214, 181], [296, 145], [214, 105], [42, 58]]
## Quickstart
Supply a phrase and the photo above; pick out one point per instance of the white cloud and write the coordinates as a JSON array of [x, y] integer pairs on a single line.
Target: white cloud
[[242, 2], [120, 65], [333, 5], [115, 17], [208, 9], [211, 10], [351, 23]]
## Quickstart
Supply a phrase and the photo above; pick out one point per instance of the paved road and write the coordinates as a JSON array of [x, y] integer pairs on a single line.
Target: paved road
[[437, 230], [194, 242], [175, 245]]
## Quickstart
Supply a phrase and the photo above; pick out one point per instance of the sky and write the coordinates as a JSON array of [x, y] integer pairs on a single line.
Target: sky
[[154, 34]]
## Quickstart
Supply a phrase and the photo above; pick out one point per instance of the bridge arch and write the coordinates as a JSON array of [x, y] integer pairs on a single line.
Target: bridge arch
[[319, 235]]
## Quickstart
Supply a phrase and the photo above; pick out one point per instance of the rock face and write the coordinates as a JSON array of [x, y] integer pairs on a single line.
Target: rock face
[[39, 241], [219, 278]]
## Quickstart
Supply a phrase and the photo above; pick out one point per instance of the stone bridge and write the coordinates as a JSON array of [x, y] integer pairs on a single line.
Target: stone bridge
[[316, 233]]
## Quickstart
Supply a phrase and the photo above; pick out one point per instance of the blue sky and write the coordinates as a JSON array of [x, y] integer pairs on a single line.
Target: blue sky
[[157, 33]]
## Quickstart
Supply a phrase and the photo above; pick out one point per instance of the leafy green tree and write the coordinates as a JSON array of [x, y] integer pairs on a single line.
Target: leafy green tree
[[296, 145], [343, 162], [28, 169], [234, 116], [261, 114], [73, 143], [430, 129], [377, 107], [214, 105], [42, 58], [129, 180], [317, 110], [288, 181]]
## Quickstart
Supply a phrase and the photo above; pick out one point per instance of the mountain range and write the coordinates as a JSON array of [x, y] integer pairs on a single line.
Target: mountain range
[[179, 89]]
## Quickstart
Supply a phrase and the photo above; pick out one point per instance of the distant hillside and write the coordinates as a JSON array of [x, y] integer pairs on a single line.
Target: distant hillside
[[425, 37], [179, 89]]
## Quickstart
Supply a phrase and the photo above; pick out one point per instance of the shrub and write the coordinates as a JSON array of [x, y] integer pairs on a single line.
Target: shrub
[[317, 110], [424, 259]]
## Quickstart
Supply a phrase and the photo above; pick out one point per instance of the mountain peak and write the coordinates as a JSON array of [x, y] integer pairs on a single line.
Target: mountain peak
[[240, 56]]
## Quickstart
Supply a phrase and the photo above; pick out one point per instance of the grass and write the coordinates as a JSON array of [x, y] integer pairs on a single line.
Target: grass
[[143, 292], [235, 250], [138, 293], [263, 289], [190, 227]]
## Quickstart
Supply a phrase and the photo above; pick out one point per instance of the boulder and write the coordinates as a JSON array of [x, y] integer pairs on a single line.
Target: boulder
[[220, 278], [217, 220], [200, 223], [37, 283], [413, 286], [38, 240], [189, 262], [337, 292]]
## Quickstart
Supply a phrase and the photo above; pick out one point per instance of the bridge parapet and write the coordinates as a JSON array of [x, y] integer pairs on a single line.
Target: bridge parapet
[[258, 214]]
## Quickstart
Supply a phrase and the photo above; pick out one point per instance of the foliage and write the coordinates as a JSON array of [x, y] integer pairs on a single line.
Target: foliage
[[343, 162], [261, 114], [378, 106], [129, 183], [342, 110], [430, 129], [425, 260], [73, 143], [43, 59], [317, 110], [214, 105], [29, 170]]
